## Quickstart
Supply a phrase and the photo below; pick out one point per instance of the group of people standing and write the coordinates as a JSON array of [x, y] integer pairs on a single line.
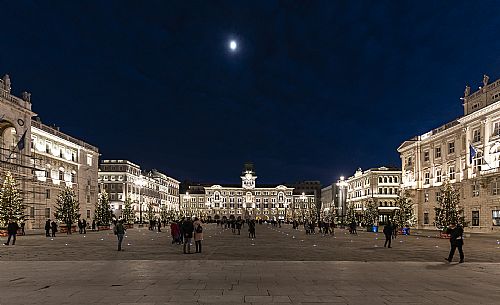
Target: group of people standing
[[183, 232], [50, 228]]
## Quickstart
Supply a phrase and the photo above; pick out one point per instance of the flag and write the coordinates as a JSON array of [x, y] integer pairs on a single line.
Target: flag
[[472, 153], [20, 144]]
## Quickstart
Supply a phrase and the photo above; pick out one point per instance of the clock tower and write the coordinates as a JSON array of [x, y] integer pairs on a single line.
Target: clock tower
[[248, 177]]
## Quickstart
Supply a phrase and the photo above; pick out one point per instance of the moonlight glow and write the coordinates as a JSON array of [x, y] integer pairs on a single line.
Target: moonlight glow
[[233, 45]]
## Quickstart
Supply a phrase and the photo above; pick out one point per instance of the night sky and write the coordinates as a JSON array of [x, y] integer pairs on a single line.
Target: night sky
[[314, 91]]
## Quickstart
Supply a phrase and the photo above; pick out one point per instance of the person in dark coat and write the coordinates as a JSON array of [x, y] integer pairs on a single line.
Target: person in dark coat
[[456, 241], [84, 226], [187, 228], [53, 225], [251, 229], [175, 232], [47, 228], [388, 234], [12, 228], [119, 231]]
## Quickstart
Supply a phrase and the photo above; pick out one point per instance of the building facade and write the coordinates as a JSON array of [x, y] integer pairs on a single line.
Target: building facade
[[334, 199], [122, 179], [249, 200], [378, 185], [44, 160], [466, 152]]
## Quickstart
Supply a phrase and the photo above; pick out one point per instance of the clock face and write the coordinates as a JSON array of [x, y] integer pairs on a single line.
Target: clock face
[[248, 176]]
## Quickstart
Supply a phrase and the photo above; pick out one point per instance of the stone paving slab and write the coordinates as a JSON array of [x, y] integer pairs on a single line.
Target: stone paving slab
[[280, 266], [289, 282]]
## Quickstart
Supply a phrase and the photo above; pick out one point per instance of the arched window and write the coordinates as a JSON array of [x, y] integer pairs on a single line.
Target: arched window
[[385, 179], [216, 196], [380, 180], [281, 197], [395, 179], [390, 179]]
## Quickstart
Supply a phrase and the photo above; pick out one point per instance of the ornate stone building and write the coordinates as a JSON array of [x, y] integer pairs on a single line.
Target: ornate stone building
[[378, 185], [334, 198], [43, 159], [249, 200], [465, 151], [123, 179]]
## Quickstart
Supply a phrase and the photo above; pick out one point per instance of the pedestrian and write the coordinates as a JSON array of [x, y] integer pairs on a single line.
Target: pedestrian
[[53, 226], [388, 234], [84, 226], [251, 229], [174, 231], [119, 231], [187, 229], [12, 228], [93, 225], [238, 225], [47, 228], [456, 241], [394, 230], [80, 228], [159, 226], [198, 234], [22, 228]]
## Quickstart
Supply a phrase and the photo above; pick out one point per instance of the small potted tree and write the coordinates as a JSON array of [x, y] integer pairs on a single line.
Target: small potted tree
[[103, 213], [11, 204], [67, 210]]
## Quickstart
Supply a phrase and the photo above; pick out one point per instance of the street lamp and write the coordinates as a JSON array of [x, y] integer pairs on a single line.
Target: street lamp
[[140, 182], [188, 203], [303, 200]]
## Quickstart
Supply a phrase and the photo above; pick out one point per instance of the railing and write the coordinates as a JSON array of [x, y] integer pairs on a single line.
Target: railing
[[63, 135], [14, 99]]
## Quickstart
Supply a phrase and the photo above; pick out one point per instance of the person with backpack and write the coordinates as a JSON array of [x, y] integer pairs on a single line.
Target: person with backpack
[[119, 231], [187, 229], [198, 234]]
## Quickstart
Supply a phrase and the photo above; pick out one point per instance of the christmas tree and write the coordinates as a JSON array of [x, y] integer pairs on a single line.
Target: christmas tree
[[150, 212], [67, 209], [11, 202], [448, 210], [128, 213], [350, 214], [164, 212], [404, 215], [103, 213], [370, 214]]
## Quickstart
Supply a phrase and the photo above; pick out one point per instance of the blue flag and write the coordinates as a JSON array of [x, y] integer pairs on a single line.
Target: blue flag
[[472, 153], [20, 144]]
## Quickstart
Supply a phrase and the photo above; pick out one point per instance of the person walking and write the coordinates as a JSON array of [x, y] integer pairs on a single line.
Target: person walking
[[93, 225], [175, 232], [251, 229], [388, 234], [456, 241], [12, 228], [187, 228], [159, 225], [47, 228], [198, 234], [80, 228], [22, 228], [84, 226], [53, 226], [119, 232]]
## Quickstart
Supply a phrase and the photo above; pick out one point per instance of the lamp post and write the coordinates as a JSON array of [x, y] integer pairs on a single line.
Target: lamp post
[[140, 182], [303, 200], [188, 202], [342, 184]]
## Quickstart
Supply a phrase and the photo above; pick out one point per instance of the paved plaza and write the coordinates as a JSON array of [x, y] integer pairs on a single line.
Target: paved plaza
[[281, 265]]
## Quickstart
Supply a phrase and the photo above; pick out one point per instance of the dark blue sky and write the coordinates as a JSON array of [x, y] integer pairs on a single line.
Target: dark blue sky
[[316, 90]]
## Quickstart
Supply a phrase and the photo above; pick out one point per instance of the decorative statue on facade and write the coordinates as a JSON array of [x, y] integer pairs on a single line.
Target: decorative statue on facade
[[467, 91], [26, 96], [486, 78], [6, 83]]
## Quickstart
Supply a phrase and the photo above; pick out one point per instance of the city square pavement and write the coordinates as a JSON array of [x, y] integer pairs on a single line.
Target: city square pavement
[[281, 265]]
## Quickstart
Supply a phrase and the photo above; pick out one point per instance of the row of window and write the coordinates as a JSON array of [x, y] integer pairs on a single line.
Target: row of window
[[257, 193], [495, 217], [439, 175], [257, 205]]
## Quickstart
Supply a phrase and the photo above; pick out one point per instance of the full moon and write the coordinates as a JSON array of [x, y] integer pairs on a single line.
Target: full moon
[[233, 45]]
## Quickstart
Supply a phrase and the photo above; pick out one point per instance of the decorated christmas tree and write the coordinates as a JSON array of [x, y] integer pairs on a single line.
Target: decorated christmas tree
[[164, 212], [370, 214], [128, 213], [350, 214], [68, 207], [151, 214], [404, 215], [448, 210], [103, 213], [11, 202]]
